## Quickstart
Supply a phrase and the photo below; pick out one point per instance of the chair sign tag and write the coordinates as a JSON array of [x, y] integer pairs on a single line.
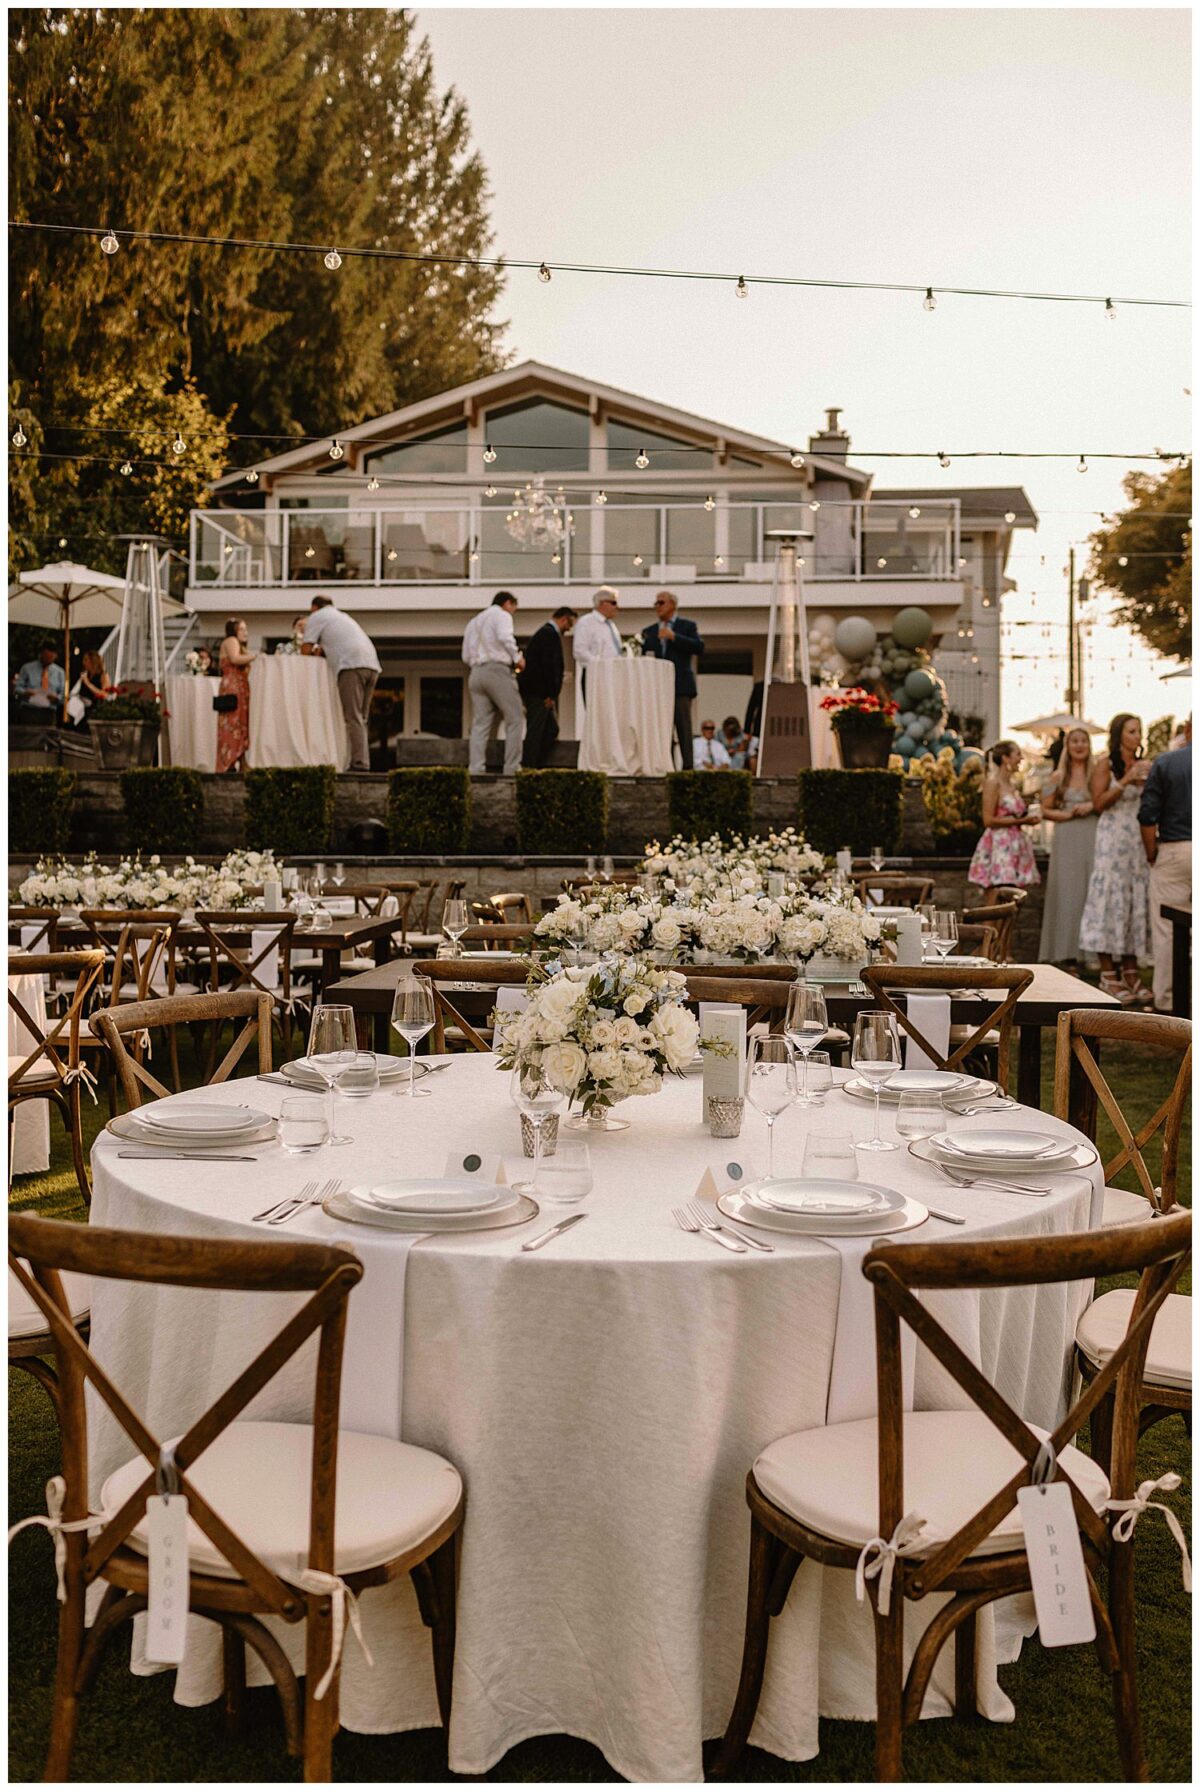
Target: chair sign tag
[[167, 1605], [725, 1178], [1060, 1588]]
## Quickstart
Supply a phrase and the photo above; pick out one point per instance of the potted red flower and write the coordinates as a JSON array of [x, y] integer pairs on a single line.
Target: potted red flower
[[863, 725], [125, 726]]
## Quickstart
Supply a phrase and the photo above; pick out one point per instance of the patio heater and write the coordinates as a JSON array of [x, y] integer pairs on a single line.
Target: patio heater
[[785, 743], [141, 651]]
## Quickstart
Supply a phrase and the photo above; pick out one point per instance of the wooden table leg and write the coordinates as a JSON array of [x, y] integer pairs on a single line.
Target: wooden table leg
[[1029, 1065], [1181, 970]]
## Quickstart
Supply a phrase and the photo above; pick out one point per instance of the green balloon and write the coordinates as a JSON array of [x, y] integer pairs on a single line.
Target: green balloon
[[855, 637], [918, 685], [913, 626]]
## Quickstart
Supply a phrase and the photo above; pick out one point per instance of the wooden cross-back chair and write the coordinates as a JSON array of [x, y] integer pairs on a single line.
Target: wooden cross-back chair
[[399, 1508], [440, 972], [1081, 1090], [236, 964], [764, 998], [49, 1066], [511, 906], [980, 939], [496, 935], [1000, 915], [368, 897], [850, 1495], [898, 890], [116, 1025], [139, 953], [993, 1032]]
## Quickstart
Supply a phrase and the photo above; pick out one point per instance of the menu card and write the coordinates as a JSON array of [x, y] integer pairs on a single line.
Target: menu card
[[725, 1074], [908, 938], [845, 860]]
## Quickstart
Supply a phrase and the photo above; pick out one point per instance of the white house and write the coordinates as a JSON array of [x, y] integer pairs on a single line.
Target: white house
[[413, 520]]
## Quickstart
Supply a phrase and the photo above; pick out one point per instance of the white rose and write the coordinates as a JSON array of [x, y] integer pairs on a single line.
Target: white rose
[[634, 1003], [678, 1033], [625, 1032], [564, 1066], [631, 922], [603, 1033], [604, 1066], [667, 932]]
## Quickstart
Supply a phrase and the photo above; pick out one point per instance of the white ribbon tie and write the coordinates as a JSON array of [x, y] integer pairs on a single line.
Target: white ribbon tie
[[344, 1603], [1132, 1509], [56, 1492], [878, 1559]]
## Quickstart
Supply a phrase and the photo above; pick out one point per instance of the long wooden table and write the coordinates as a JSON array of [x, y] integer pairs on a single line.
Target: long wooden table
[[1051, 993], [1180, 916]]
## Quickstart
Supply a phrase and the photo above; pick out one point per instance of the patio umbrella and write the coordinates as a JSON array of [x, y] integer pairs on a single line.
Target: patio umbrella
[[64, 596], [1050, 724]]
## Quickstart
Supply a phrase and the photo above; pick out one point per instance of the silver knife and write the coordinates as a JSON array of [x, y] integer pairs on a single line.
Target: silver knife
[[543, 1237], [180, 1156], [950, 1218]]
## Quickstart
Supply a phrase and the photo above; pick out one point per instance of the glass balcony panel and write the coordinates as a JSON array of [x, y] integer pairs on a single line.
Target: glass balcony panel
[[504, 561], [237, 547], [425, 546], [334, 545], [691, 537], [897, 544], [629, 533], [742, 541]]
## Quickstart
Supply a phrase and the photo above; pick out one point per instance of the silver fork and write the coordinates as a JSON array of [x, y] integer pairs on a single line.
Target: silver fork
[[986, 1181], [698, 1211], [288, 1200], [314, 1199], [686, 1223]]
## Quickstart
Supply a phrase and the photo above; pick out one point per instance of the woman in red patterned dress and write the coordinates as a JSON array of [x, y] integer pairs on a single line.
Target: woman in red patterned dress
[[233, 725]]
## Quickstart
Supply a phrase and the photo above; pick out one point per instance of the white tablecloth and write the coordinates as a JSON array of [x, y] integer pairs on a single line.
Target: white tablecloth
[[31, 1125], [295, 714], [603, 1399], [192, 721], [629, 716]]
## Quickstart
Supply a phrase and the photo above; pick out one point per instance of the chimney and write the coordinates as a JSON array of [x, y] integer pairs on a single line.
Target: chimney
[[832, 442]]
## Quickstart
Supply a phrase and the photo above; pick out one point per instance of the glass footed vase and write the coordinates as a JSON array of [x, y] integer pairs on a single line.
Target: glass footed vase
[[599, 1118]]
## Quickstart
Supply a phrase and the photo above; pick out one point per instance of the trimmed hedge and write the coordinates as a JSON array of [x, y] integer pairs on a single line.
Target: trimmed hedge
[[701, 803], [163, 805], [39, 809], [289, 809], [859, 809], [562, 811], [429, 809]]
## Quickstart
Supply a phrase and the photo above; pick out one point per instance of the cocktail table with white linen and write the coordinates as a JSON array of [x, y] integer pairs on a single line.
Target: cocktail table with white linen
[[629, 717], [603, 1399]]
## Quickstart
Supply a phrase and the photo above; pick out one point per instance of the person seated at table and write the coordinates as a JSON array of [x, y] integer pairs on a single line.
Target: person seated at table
[[233, 725], [597, 635], [356, 667], [741, 746], [39, 686], [673, 637], [93, 687], [707, 751]]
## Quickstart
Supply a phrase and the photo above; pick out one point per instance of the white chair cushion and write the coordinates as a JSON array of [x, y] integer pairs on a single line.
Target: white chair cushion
[[390, 1496], [1123, 1208], [40, 1071], [953, 1462], [26, 1318], [1169, 1357]]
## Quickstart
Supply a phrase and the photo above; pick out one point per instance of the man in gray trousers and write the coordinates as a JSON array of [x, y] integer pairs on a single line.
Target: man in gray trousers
[[490, 649]]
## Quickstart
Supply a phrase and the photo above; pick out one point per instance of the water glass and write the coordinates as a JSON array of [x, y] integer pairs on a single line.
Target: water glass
[[818, 1071], [770, 1085], [566, 1176], [875, 1053], [360, 1077], [945, 931], [332, 1047], [920, 1114], [303, 1123], [829, 1156]]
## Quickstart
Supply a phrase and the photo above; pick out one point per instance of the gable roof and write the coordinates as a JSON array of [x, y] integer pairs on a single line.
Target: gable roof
[[980, 503], [531, 376]]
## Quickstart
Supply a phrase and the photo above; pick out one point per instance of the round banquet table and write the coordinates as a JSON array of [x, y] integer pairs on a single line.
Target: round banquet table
[[603, 1399], [192, 721], [629, 717], [295, 715]]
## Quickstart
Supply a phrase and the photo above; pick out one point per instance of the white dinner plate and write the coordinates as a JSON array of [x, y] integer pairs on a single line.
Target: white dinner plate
[[1080, 1155], [391, 1069], [430, 1195], [130, 1128], [820, 1194], [182, 1116], [974, 1088], [741, 1206], [345, 1206], [928, 1081], [992, 1142]]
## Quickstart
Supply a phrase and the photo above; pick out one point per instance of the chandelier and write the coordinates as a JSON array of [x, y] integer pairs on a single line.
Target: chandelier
[[538, 519]]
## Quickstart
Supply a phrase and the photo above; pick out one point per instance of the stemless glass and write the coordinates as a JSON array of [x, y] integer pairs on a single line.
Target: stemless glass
[[818, 1072], [566, 1176], [770, 1086], [360, 1077], [806, 1025], [412, 1018], [945, 931], [537, 1098], [303, 1123], [919, 1114], [875, 1054], [455, 920], [332, 1048], [829, 1156]]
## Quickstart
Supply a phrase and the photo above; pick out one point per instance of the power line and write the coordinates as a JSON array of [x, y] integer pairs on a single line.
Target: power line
[[333, 257]]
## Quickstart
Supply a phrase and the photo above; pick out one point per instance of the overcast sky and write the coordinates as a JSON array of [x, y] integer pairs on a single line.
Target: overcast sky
[[1046, 150]]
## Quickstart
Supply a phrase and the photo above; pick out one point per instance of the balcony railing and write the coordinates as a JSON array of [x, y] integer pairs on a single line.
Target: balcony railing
[[469, 544]]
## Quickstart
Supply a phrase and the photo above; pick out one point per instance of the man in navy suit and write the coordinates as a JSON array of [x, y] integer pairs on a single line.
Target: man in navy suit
[[673, 637]]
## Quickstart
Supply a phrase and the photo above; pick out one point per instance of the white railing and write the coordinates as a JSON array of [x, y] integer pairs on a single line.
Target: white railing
[[467, 543]]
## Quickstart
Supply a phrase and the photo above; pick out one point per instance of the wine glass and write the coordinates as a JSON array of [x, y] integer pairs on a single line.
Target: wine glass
[[945, 931], [927, 911], [339, 874], [537, 1098], [412, 1018], [607, 867], [878, 859], [806, 1025], [875, 1054], [455, 920], [770, 1086], [318, 876], [332, 1048]]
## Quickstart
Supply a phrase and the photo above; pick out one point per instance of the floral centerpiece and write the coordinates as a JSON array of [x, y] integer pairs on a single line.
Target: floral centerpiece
[[862, 722], [292, 645], [692, 868], [149, 883], [633, 647], [601, 1033], [198, 663]]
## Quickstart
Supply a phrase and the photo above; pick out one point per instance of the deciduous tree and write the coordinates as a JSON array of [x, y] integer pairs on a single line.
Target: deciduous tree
[[1144, 556]]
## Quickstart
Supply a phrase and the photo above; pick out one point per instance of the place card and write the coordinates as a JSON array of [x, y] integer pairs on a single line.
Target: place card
[[167, 1579], [726, 1176], [908, 938], [1056, 1571], [273, 897], [481, 1166], [724, 1075]]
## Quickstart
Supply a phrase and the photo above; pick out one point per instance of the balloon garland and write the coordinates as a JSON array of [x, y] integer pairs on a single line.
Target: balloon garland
[[850, 652]]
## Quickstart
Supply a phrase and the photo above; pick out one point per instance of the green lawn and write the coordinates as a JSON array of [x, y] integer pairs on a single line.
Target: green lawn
[[131, 1729]]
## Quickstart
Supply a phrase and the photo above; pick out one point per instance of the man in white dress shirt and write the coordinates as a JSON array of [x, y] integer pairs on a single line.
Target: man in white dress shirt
[[490, 649], [708, 753], [596, 634], [355, 665]]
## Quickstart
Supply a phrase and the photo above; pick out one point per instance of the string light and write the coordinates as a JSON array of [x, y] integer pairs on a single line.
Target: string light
[[815, 505], [179, 446], [643, 459], [392, 554], [544, 274], [796, 458], [915, 511], [637, 560], [742, 290], [336, 451], [489, 491], [310, 553], [929, 301], [602, 497], [1010, 516], [252, 476], [1123, 559], [943, 459], [710, 502], [126, 468], [720, 560], [1083, 466], [556, 559], [19, 437], [372, 483], [1110, 310], [333, 261], [109, 243], [489, 454], [881, 564]]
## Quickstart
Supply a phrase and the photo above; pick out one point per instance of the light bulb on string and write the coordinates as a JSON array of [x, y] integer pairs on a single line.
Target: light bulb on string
[[333, 260], [392, 554], [178, 446], [109, 243], [602, 497], [1123, 559], [19, 437], [929, 302], [914, 511], [797, 458], [126, 468], [489, 454], [720, 560], [742, 290], [489, 491], [62, 540], [986, 602], [556, 559], [710, 503], [1083, 465], [372, 483], [310, 553], [881, 563], [336, 451], [1010, 516], [943, 459], [961, 561], [474, 555], [815, 505], [637, 560], [544, 274], [1110, 310], [642, 461], [252, 476]]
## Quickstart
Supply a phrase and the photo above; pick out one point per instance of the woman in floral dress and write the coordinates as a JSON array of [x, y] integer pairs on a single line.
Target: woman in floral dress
[[233, 725], [1116, 914], [1004, 854]]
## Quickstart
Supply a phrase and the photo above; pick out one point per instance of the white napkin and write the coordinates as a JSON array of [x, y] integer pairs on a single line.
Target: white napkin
[[389, 908], [852, 1382], [510, 999], [375, 1402], [267, 972], [930, 1014]]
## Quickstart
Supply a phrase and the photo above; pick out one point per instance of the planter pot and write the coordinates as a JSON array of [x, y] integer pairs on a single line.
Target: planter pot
[[862, 748], [119, 743]]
